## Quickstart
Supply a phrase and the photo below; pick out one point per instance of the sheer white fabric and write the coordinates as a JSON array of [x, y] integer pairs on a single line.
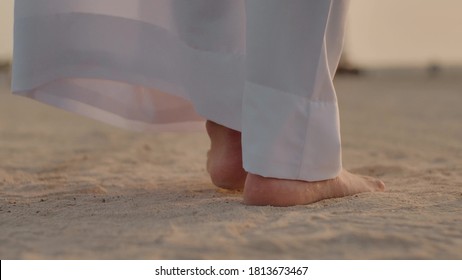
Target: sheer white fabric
[[263, 67]]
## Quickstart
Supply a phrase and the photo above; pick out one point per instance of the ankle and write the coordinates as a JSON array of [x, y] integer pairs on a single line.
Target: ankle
[[218, 130]]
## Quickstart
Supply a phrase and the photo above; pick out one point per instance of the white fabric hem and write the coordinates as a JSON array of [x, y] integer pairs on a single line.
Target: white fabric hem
[[312, 153], [110, 118]]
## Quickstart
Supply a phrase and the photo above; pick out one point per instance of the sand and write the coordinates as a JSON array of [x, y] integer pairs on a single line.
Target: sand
[[73, 188]]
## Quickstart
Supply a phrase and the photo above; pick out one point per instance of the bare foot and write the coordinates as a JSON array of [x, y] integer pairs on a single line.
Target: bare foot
[[224, 159], [276, 192]]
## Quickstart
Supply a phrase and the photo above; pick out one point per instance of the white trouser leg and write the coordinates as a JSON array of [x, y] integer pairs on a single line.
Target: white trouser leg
[[290, 125]]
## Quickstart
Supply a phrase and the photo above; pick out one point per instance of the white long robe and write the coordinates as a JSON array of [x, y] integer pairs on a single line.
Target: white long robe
[[263, 67]]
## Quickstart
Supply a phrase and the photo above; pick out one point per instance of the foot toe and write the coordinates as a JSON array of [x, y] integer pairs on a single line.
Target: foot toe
[[380, 185]]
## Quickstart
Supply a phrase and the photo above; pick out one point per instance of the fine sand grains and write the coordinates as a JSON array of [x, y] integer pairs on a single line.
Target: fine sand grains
[[72, 188]]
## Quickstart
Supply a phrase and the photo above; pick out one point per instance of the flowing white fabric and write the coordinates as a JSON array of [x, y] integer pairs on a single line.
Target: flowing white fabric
[[263, 67]]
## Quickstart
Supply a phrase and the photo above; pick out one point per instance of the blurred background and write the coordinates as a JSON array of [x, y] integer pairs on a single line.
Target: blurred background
[[381, 34]]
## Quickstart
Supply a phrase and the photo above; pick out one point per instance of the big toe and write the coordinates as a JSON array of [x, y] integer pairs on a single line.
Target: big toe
[[377, 185], [374, 183], [380, 185]]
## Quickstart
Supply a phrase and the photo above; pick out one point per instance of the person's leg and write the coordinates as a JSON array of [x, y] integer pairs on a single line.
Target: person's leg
[[224, 159], [290, 127]]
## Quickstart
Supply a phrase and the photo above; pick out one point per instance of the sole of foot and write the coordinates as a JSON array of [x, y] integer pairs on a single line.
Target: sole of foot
[[278, 192]]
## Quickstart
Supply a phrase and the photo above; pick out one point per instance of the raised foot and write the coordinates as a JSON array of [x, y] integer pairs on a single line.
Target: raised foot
[[224, 159], [276, 192]]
